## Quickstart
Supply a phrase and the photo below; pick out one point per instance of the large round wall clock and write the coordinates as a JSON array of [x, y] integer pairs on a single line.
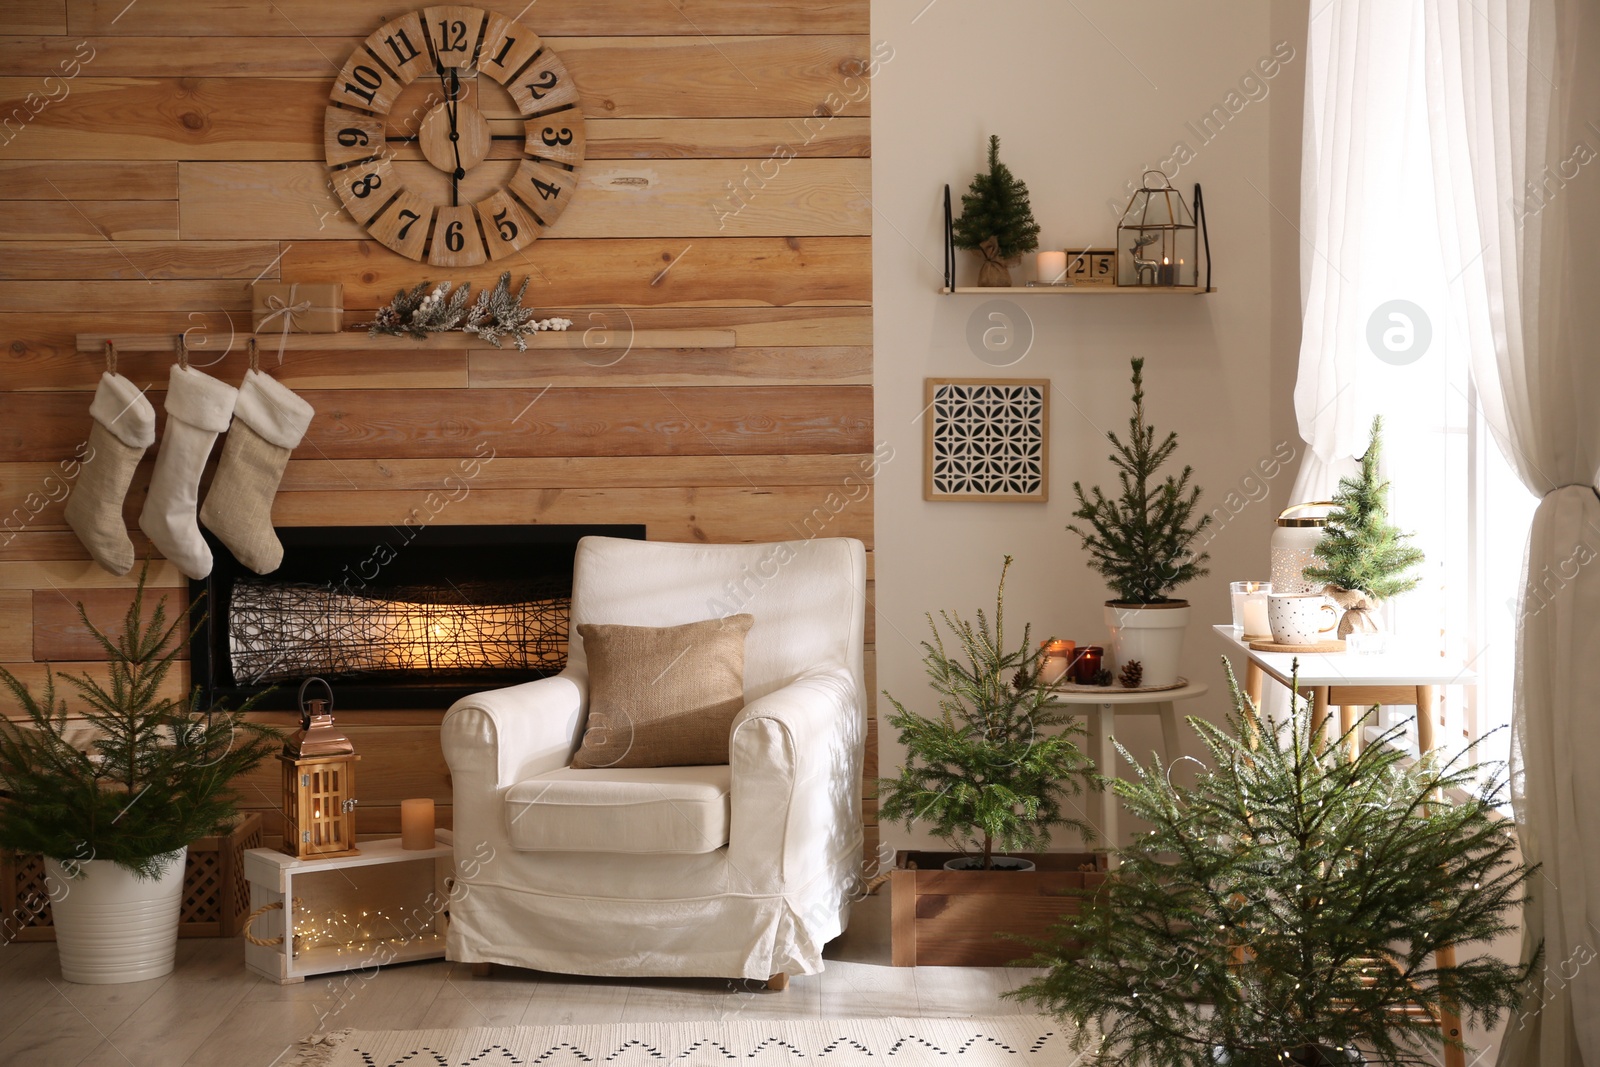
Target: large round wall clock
[[423, 80]]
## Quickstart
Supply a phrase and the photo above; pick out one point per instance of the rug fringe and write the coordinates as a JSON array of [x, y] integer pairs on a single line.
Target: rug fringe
[[318, 1049]]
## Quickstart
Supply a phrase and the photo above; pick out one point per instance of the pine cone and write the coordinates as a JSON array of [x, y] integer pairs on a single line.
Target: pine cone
[[1022, 680], [1102, 677], [1132, 674]]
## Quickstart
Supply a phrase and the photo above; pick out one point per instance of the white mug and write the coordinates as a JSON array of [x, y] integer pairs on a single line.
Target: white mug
[[1299, 618]]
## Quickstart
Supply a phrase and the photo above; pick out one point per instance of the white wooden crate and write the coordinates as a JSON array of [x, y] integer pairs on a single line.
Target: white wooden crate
[[384, 905]]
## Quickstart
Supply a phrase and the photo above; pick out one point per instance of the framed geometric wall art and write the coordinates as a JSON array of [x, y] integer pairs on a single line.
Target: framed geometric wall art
[[986, 439]]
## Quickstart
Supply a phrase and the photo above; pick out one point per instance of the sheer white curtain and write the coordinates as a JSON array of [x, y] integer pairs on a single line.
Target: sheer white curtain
[[1370, 252], [1515, 95], [1451, 162]]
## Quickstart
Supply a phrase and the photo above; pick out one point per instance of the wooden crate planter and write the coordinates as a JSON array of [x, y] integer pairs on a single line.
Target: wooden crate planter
[[946, 918], [216, 895]]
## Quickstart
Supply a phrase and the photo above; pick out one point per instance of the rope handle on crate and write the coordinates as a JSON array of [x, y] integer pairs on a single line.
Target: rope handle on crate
[[264, 942]]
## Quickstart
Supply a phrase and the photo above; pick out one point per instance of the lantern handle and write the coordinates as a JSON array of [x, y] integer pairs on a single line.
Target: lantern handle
[[1166, 182], [301, 699], [1282, 515]]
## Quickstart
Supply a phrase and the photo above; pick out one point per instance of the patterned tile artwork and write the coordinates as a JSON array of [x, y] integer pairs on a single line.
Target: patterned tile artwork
[[987, 439]]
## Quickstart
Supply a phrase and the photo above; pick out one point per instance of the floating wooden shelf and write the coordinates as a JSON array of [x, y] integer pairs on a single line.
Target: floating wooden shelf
[[1085, 290], [351, 340]]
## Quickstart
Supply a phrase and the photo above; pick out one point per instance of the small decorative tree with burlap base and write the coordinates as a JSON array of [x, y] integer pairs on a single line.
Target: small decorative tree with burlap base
[[996, 220], [1364, 557]]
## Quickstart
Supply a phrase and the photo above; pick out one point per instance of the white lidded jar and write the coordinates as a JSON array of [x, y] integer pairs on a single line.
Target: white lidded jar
[[1294, 544]]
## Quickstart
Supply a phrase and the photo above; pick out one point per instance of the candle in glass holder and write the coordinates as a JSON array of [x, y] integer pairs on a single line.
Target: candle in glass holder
[[1249, 600], [1056, 661], [416, 824], [1087, 664]]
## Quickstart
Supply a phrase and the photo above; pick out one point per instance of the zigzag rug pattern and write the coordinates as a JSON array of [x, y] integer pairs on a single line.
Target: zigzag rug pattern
[[1015, 1041]]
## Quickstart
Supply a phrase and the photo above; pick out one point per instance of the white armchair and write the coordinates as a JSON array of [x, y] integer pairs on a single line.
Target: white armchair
[[744, 870]]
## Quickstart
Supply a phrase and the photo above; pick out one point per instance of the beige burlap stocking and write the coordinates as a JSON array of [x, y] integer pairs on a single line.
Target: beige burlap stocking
[[268, 422], [198, 408], [124, 426]]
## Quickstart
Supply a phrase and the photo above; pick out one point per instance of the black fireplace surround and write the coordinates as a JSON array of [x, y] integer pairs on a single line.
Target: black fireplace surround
[[446, 571]]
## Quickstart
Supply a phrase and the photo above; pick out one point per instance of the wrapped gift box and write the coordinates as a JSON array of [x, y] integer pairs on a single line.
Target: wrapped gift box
[[306, 307]]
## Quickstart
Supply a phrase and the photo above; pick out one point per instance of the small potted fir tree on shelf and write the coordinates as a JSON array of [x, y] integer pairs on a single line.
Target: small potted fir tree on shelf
[[1364, 558], [113, 814], [996, 220], [1142, 542], [989, 775], [1295, 905]]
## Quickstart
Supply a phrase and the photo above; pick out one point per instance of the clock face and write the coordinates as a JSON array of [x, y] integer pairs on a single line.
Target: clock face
[[491, 110]]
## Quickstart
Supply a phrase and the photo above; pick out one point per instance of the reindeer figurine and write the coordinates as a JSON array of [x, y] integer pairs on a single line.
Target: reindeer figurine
[[1142, 265]]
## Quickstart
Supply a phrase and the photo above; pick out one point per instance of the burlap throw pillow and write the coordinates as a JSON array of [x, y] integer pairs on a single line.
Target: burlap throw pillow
[[662, 696]]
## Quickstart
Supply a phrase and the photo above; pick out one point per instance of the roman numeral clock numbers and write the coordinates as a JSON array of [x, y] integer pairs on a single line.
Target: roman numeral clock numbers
[[470, 197]]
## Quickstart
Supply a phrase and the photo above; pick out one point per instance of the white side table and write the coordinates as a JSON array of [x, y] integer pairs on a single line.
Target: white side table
[[1352, 682], [1101, 708], [385, 905]]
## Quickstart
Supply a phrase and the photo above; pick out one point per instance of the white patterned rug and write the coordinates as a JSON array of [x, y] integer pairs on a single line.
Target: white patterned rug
[[1017, 1040]]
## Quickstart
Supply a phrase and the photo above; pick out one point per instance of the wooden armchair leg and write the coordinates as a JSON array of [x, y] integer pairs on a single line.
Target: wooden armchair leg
[[482, 970], [778, 983]]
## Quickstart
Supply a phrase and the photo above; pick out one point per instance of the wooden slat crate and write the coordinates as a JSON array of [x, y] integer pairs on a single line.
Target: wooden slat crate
[[943, 918], [216, 896]]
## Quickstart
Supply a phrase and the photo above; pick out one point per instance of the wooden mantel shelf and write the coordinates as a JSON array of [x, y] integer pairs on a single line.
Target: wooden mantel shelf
[[350, 340], [1085, 290]]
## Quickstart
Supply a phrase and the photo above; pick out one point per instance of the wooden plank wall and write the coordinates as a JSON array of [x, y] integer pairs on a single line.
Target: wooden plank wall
[[157, 156]]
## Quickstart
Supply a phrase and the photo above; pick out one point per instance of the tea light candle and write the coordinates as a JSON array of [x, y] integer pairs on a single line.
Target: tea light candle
[[1051, 267], [1056, 662], [416, 824]]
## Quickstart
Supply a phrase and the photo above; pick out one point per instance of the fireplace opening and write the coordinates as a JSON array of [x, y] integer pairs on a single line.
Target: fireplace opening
[[393, 617]]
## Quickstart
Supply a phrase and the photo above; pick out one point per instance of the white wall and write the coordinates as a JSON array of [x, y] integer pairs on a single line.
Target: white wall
[[1083, 96]]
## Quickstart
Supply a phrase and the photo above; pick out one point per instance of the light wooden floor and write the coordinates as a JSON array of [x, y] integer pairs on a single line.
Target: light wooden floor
[[212, 1011]]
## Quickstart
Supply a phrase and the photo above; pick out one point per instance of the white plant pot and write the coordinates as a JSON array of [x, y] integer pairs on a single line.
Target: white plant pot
[[1001, 863], [1151, 634], [112, 926]]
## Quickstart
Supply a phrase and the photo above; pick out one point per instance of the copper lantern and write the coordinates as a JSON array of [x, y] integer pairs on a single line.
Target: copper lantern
[[319, 781]]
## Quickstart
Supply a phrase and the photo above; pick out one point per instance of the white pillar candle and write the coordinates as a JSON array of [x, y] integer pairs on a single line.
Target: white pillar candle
[[1051, 267], [1255, 615]]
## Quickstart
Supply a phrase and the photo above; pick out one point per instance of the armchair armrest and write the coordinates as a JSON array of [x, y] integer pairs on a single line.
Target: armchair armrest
[[507, 735], [796, 778]]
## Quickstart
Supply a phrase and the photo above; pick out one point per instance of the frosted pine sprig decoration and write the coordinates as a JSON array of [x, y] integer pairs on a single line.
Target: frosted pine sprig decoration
[[429, 308], [419, 312], [499, 313]]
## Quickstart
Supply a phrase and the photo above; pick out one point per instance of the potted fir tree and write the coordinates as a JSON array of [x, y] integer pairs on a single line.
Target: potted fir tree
[[114, 819], [989, 775], [1364, 557], [984, 776], [1142, 542], [1295, 905], [996, 220]]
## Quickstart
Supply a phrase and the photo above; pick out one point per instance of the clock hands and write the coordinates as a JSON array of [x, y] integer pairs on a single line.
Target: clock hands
[[452, 91]]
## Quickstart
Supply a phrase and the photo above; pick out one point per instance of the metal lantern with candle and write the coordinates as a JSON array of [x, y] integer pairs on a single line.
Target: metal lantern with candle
[[319, 780], [1294, 545], [1157, 239]]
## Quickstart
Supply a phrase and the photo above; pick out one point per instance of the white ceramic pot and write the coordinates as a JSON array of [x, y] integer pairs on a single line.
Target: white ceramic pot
[[112, 926], [1151, 634], [1001, 863]]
